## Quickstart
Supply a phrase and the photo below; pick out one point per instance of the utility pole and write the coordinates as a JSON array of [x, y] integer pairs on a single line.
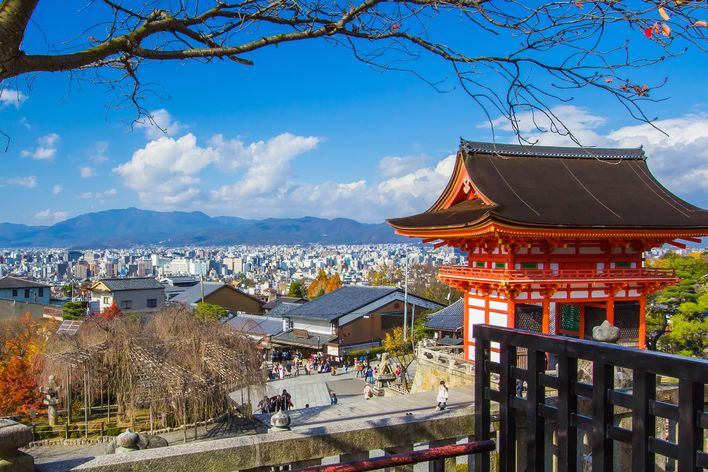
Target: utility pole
[[405, 300]]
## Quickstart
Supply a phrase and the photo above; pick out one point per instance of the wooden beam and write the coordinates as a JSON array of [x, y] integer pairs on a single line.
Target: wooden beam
[[642, 322], [691, 240], [678, 245]]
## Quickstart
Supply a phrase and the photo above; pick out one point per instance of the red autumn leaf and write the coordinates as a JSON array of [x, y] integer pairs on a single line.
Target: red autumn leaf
[[91, 38], [647, 32], [396, 26], [609, 80], [656, 29], [578, 4]]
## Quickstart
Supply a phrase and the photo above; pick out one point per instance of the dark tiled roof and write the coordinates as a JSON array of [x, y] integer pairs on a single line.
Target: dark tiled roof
[[289, 339], [16, 282], [256, 325], [282, 308], [534, 186], [475, 147], [333, 305], [274, 303], [450, 318], [193, 294], [137, 283]]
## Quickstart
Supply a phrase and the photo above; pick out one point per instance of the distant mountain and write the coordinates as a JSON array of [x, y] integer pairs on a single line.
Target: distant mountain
[[132, 226]]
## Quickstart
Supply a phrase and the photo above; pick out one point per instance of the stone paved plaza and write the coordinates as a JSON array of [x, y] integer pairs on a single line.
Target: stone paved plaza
[[313, 390]]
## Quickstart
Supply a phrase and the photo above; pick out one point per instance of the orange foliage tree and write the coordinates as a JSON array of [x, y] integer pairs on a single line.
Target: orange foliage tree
[[323, 284], [20, 341]]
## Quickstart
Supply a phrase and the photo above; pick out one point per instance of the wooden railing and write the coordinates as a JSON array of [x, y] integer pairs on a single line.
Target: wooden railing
[[566, 405], [543, 275]]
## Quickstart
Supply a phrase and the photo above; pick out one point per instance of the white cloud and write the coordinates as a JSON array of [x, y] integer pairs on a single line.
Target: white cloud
[[98, 195], [159, 124], [11, 97], [25, 123], [49, 215], [166, 171], [46, 148], [267, 163], [30, 181], [87, 172], [57, 189], [393, 166], [98, 155]]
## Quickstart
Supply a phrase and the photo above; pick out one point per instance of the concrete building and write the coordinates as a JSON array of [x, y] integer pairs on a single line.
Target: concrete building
[[22, 290], [135, 294]]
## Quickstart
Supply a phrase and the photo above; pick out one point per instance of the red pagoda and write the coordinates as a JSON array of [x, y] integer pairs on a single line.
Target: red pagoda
[[555, 237]]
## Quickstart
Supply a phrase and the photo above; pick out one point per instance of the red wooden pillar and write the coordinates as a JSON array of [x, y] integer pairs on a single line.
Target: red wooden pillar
[[510, 314], [546, 320], [642, 322], [610, 310]]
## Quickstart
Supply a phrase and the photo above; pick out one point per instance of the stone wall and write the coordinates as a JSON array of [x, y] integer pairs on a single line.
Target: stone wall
[[434, 364]]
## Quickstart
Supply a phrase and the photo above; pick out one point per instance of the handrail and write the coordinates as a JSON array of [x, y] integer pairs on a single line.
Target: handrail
[[394, 460], [514, 275]]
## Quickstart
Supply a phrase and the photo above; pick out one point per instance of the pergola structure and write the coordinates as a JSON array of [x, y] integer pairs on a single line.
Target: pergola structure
[[555, 237]]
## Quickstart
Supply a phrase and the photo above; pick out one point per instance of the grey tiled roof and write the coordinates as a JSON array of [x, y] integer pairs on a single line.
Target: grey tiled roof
[[288, 338], [274, 303], [136, 283], [282, 308], [256, 325], [450, 318], [333, 305], [16, 282], [193, 294], [551, 151]]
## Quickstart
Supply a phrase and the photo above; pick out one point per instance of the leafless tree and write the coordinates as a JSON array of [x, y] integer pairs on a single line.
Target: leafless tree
[[511, 57]]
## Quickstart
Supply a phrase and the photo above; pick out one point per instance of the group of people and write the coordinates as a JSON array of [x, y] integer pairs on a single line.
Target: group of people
[[276, 403], [283, 364]]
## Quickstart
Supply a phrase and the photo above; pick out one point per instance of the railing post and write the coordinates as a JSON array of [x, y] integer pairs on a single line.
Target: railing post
[[507, 413], [567, 408], [689, 435], [482, 416], [602, 411], [535, 395], [643, 423]]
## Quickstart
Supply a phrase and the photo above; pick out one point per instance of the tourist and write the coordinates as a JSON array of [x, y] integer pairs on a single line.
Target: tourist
[[442, 396], [359, 368], [281, 372], [264, 405], [296, 367], [369, 375], [285, 403], [333, 398], [368, 392]]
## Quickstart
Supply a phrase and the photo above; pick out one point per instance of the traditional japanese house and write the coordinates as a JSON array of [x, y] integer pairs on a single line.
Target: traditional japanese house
[[555, 237]]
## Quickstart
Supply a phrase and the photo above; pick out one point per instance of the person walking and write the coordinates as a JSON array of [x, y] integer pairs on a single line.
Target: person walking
[[368, 392], [442, 396]]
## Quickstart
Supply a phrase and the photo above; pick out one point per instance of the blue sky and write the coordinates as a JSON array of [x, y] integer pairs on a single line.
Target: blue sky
[[307, 131]]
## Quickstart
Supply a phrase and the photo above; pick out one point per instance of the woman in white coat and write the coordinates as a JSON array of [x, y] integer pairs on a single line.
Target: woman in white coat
[[442, 396]]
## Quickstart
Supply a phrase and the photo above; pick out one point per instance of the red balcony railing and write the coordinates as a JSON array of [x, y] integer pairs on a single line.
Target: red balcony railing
[[550, 275]]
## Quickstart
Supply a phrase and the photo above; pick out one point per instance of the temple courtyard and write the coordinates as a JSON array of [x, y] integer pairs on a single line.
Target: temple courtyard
[[351, 412]]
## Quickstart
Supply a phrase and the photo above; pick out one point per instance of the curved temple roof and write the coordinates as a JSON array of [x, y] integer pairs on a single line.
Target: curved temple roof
[[557, 187]]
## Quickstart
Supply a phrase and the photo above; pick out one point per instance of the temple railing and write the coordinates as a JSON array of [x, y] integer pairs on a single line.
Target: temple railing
[[550, 275], [635, 409]]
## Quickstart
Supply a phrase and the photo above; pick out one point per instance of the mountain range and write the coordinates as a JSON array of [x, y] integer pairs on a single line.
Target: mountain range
[[133, 227]]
